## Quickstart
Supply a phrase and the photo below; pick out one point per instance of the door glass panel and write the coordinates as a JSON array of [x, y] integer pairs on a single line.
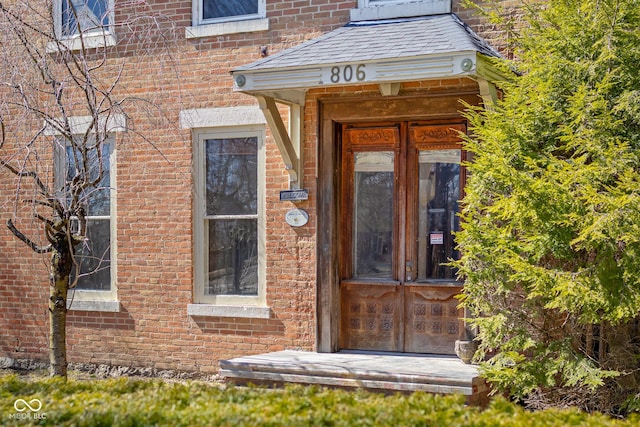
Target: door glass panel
[[438, 195], [373, 215]]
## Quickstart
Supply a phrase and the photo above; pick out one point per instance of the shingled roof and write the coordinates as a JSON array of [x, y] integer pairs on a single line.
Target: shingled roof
[[380, 40]]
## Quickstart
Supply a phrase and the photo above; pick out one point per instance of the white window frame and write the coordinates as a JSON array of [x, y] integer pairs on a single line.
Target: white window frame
[[226, 25], [369, 10], [86, 299], [100, 37], [226, 305]]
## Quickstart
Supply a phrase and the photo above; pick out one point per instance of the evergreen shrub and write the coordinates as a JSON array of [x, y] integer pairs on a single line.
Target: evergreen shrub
[[128, 402], [551, 219]]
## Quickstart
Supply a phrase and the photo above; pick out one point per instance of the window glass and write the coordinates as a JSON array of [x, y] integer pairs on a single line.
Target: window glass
[[94, 257], [232, 216], [88, 14], [97, 198], [233, 257], [213, 9], [439, 192], [232, 176], [373, 215]]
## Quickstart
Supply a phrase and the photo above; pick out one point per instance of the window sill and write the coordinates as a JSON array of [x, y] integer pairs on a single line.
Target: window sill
[[91, 41], [252, 312], [401, 10], [223, 28], [101, 306]]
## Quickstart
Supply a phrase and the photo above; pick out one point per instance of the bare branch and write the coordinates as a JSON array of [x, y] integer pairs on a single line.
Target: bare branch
[[25, 239], [44, 203], [31, 174], [43, 219], [2, 133]]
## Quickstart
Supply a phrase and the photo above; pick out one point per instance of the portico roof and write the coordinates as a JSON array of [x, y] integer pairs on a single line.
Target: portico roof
[[386, 51], [383, 52]]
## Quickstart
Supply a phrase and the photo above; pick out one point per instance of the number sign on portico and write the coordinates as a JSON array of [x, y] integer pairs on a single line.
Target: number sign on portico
[[348, 73]]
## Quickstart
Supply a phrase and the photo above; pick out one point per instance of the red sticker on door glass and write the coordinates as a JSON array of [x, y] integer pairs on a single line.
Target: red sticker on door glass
[[436, 238]]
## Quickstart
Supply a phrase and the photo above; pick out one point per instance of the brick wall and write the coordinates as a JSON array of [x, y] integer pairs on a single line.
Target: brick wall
[[154, 208]]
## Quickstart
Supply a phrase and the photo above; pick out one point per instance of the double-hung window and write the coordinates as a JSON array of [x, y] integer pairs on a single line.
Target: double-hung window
[[89, 20], [94, 265], [217, 17], [229, 230]]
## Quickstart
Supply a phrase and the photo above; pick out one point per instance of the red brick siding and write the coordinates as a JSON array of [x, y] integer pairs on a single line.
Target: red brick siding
[[154, 212]]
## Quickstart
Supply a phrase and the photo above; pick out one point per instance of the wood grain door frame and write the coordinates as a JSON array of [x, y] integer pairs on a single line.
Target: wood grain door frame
[[371, 314], [333, 113]]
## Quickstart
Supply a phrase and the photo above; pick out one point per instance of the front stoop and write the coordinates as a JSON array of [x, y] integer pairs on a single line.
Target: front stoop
[[391, 372]]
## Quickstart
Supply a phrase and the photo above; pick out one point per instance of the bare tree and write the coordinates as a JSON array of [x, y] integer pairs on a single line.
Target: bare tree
[[63, 95]]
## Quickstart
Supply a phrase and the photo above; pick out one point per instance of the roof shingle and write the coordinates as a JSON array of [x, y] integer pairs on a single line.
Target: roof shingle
[[376, 40]]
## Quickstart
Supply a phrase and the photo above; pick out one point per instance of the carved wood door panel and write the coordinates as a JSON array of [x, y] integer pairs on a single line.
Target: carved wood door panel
[[401, 184]]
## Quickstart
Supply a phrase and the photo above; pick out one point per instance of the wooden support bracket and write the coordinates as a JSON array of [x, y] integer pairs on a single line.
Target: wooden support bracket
[[389, 89], [488, 92], [486, 74], [288, 143]]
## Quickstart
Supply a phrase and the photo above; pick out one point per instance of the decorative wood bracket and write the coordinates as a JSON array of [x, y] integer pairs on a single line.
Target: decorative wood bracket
[[486, 75], [389, 89], [287, 140], [488, 93]]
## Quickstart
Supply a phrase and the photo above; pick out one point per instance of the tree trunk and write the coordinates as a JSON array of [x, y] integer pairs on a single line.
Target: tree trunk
[[60, 269]]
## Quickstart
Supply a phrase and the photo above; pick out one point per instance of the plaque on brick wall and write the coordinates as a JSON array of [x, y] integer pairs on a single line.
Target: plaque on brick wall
[[294, 195], [296, 217]]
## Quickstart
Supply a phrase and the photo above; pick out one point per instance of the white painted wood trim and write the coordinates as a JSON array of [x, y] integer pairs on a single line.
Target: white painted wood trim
[[254, 312], [230, 27], [384, 71]]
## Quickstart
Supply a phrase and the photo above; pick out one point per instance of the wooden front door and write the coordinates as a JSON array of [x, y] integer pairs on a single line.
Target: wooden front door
[[401, 185]]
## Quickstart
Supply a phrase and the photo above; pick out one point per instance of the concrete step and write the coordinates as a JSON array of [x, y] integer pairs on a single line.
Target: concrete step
[[390, 372]]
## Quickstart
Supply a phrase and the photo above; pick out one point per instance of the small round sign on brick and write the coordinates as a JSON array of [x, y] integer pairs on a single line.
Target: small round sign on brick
[[296, 217]]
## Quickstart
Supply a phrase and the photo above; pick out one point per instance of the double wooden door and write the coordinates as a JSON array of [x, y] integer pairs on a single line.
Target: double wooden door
[[401, 186]]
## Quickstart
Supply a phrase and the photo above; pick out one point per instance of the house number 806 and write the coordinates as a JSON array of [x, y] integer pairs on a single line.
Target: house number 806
[[348, 73]]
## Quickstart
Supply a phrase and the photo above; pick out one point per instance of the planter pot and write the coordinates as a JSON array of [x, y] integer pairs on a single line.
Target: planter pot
[[465, 350]]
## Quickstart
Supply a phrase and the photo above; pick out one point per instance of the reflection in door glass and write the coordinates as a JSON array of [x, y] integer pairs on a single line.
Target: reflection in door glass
[[373, 215], [438, 195]]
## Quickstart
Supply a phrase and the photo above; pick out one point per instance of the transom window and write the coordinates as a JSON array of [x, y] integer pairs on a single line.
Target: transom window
[[389, 9]]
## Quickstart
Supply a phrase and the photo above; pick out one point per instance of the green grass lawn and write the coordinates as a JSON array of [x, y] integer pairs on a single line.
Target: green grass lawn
[[139, 402]]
